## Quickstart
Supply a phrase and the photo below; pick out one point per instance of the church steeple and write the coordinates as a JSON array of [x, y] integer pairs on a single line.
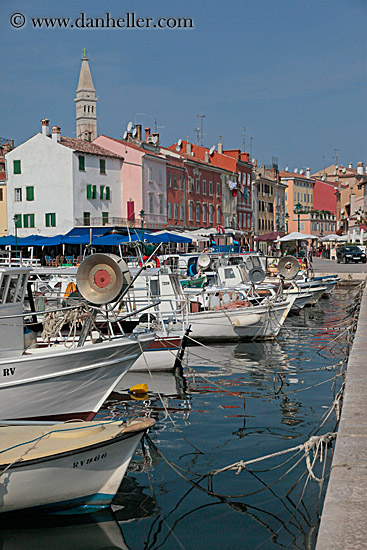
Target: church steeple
[[85, 102]]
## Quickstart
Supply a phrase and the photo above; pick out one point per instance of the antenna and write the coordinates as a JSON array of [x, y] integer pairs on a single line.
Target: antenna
[[211, 150], [324, 157], [244, 138], [135, 131], [336, 155], [129, 126], [125, 135], [251, 139], [200, 129], [156, 126]]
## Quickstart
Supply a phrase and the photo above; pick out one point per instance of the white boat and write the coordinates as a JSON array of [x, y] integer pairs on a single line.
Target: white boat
[[219, 323], [65, 466], [55, 382]]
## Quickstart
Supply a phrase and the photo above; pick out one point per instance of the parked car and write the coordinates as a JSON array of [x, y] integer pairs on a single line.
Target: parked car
[[350, 253]]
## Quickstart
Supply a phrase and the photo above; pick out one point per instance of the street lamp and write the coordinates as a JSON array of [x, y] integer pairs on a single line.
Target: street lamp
[[297, 211], [16, 219], [286, 221]]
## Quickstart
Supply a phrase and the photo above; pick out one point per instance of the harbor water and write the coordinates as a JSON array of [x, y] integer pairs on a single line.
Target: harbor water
[[229, 403]]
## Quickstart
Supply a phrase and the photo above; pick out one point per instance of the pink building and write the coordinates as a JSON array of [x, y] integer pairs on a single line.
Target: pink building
[[324, 196], [143, 178]]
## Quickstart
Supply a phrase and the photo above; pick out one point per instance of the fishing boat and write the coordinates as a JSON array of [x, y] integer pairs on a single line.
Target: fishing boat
[[56, 381], [76, 466]]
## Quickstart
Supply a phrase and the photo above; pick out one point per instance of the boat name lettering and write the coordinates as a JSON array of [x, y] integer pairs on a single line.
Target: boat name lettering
[[81, 463], [9, 372]]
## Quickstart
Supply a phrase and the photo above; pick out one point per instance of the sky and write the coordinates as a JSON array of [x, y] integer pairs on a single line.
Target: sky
[[287, 77]]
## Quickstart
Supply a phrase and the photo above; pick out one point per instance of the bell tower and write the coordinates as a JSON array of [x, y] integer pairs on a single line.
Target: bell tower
[[85, 103]]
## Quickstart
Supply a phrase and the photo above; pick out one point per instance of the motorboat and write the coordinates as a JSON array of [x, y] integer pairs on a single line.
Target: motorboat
[[74, 466]]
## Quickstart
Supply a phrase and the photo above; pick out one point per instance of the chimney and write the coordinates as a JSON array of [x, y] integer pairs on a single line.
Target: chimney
[[11, 144], [360, 168], [350, 165], [55, 133], [138, 131], [45, 127], [6, 148], [147, 133], [220, 146], [308, 172], [188, 148], [206, 156]]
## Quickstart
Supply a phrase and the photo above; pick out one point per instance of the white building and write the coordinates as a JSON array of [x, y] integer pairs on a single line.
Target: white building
[[55, 183]]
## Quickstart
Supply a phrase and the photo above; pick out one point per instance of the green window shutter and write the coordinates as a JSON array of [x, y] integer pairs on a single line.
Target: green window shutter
[[25, 221], [104, 218], [89, 191], [17, 167], [94, 192], [53, 220], [108, 194], [101, 191], [86, 218], [30, 193], [102, 166], [81, 163], [47, 220], [18, 221], [31, 216]]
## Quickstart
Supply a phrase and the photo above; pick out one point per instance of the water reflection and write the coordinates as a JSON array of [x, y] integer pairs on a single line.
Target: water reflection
[[98, 531]]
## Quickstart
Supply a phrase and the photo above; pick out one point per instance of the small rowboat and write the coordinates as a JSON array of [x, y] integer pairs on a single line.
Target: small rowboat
[[76, 465]]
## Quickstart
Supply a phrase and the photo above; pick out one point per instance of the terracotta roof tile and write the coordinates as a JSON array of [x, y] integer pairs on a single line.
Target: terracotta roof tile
[[133, 146], [292, 175], [82, 146]]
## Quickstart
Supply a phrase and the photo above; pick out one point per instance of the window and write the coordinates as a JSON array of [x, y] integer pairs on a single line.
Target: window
[[211, 188], [86, 218], [81, 163], [160, 204], [17, 169], [104, 218], [218, 188], [18, 194], [204, 212], [204, 187], [168, 179], [218, 215], [91, 191], [101, 191], [1, 194], [181, 182], [198, 211], [175, 210], [191, 208], [211, 208], [29, 191], [191, 185], [169, 209], [160, 176], [151, 205], [28, 220], [108, 193], [18, 220], [197, 186], [150, 174], [181, 211], [174, 181], [50, 220], [102, 166]]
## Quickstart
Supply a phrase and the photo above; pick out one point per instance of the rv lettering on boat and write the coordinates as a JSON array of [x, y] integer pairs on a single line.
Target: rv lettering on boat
[[81, 463], [9, 372]]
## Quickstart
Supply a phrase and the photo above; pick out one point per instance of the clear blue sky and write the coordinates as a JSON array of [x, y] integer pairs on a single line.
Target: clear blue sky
[[293, 72]]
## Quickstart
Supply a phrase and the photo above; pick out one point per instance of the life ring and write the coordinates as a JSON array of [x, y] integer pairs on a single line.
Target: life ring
[[153, 260]]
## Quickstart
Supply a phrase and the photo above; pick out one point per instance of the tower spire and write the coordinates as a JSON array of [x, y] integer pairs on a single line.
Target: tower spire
[[85, 103]]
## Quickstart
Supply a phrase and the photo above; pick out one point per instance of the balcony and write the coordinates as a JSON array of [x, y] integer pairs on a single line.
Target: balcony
[[151, 221]]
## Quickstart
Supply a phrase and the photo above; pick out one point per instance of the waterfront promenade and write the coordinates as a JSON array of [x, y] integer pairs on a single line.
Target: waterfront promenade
[[344, 518]]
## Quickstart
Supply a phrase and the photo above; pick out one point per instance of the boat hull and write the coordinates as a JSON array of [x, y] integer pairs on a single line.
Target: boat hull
[[66, 383], [258, 322], [84, 479]]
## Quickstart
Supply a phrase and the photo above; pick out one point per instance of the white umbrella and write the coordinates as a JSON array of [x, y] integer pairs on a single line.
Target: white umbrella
[[296, 236]]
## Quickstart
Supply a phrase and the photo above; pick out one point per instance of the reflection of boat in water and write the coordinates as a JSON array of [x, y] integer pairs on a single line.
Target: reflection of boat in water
[[166, 383], [131, 502], [219, 360], [88, 532]]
